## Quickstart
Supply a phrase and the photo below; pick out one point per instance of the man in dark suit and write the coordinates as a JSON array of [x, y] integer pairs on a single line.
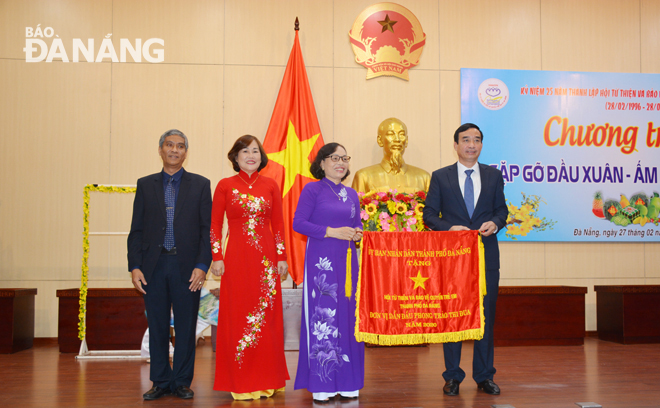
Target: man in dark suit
[[169, 253], [470, 196]]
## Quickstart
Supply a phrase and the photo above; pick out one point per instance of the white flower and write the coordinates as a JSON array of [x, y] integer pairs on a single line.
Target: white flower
[[324, 264], [321, 330], [343, 194]]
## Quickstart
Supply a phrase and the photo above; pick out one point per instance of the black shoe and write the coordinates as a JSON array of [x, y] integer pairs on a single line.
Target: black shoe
[[451, 387], [184, 392], [156, 392], [489, 387]]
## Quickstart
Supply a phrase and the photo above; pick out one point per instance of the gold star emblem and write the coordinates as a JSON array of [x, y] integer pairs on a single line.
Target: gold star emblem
[[419, 280], [294, 158], [387, 24]]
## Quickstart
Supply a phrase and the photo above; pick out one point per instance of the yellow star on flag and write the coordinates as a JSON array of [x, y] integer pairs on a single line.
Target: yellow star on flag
[[294, 158], [419, 280]]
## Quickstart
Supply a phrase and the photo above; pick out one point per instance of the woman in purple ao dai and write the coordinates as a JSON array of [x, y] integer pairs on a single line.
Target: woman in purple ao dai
[[331, 361]]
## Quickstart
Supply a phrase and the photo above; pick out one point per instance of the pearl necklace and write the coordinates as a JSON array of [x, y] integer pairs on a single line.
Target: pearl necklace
[[249, 184]]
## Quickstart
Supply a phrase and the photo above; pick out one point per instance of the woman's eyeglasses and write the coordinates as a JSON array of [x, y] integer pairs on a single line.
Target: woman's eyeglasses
[[335, 158]]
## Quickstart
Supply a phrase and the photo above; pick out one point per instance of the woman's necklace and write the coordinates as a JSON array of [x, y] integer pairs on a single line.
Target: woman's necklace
[[249, 184], [331, 189]]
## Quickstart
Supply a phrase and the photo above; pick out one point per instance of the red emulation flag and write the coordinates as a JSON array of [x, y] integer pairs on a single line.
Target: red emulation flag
[[291, 142]]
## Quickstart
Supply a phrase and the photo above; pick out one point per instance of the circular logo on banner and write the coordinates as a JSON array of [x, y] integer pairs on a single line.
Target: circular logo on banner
[[493, 94], [387, 39]]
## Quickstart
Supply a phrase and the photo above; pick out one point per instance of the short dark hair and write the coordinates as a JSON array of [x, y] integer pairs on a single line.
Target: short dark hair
[[240, 144], [464, 127], [172, 132], [323, 154]]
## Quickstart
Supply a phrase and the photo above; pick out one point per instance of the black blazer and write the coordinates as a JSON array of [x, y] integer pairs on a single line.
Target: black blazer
[[192, 223], [445, 197]]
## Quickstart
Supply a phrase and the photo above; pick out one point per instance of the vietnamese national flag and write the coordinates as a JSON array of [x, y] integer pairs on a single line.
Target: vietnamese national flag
[[291, 142]]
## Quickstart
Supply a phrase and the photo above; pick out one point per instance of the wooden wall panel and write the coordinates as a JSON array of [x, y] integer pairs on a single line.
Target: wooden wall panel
[[57, 115], [109, 212], [69, 19], [261, 33], [151, 99], [594, 260], [505, 281], [501, 34], [450, 115], [591, 35], [193, 31], [522, 260], [652, 260], [650, 36]]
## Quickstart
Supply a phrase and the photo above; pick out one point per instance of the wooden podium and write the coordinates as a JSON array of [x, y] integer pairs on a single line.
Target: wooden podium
[[540, 316], [115, 319], [16, 319]]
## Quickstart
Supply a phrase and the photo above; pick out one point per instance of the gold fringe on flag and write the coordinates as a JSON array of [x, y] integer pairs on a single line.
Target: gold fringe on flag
[[482, 282], [418, 338]]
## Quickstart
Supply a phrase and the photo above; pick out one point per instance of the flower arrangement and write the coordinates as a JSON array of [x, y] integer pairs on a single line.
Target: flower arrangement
[[392, 211]]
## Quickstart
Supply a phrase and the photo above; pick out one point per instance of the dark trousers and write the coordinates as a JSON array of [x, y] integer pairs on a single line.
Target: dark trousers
[[482, 361], [168, 290]]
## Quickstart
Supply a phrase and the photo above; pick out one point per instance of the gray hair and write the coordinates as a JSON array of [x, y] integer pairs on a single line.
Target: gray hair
[[172, 132]]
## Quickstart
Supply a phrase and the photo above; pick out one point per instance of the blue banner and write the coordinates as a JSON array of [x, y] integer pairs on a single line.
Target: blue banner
[[579, 151]]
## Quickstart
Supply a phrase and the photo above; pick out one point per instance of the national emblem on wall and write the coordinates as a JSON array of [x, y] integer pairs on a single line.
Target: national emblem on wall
[[387, 39]]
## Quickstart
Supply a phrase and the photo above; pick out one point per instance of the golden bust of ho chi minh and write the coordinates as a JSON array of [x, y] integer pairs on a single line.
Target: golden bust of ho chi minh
[[392, 172]]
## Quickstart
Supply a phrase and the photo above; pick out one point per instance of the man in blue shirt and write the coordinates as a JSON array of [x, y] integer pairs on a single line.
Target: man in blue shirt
[[169, 253]]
